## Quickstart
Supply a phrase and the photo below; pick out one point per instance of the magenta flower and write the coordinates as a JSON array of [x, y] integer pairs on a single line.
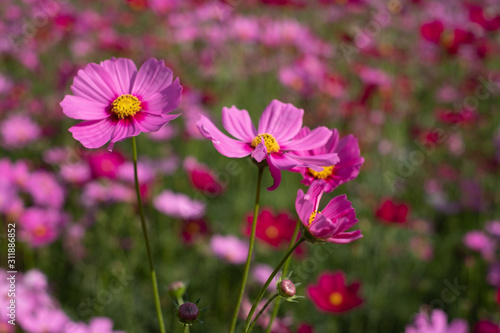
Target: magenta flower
[[436, 323], [330, 224], [273, 141], [179, 205], [335, 175], [229, 248], [40, 227], [117, 101]]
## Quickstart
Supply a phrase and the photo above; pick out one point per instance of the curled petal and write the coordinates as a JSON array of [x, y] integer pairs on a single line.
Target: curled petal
[[225, 145]]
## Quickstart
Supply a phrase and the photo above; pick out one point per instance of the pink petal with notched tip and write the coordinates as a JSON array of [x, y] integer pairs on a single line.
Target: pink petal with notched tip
[[122, 71], [152, 77], [238, 123], [283, 121], [166, 100], [95, 83]]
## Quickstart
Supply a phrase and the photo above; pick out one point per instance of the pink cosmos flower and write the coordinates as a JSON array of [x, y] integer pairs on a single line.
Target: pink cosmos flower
[[179, 205], [202, 177], [332, 294], [273, 141], [479, 241], [45, 189], [230, 248], [345, 170], [436, 323], [40, 227], [17, 131], [330, 224], [117, 101]]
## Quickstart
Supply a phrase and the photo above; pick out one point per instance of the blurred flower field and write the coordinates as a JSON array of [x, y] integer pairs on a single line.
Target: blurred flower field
[[131, 172]]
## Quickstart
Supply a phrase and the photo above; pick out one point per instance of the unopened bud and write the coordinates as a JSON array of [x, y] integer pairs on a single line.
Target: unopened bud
[[286, 288], [188, 312], [177, 289]]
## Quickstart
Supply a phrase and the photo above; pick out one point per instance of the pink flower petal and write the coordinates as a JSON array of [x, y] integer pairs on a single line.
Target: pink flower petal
[[166, 100], [345, 237], [260, 152], [152, 77], [124, 128], [225, 145], [151, 122], [122, 71], [316, 138], [315, 162], [81, 108], [93, 133], [275, 173], [95, 83], [238, 123], [281, 120]]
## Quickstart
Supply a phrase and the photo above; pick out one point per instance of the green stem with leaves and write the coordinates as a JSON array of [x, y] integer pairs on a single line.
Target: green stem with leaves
[[284, 272], [146, 240], [268, 282], [250, 251]]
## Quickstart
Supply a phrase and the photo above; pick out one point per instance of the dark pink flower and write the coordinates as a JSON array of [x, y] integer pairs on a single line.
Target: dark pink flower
[[272, 142], [331, 223], [332, 294], [117, 101], [346, 169]]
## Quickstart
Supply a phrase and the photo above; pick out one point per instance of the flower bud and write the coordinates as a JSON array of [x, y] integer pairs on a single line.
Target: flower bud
[[286, 288], [177, 289], [188, 312]]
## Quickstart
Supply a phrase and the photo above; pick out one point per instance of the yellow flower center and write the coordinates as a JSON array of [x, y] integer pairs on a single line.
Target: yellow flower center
[[40, 231], [126, 106], [193, 228], [335, 298], [269, 141], [447, 38], [313, 216], [272, 232], [324, 174]]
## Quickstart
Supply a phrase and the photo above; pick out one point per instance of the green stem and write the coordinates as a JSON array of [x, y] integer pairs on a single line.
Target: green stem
[[186, 329], [284, 272], [269, 301], [146, 240], [269, 280], [250, 250]]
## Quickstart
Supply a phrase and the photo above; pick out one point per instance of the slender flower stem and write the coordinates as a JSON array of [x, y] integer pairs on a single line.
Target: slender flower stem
[[269, 301], [186, 329], [146, 240], [284, 272], [269, 280], [250, 250]]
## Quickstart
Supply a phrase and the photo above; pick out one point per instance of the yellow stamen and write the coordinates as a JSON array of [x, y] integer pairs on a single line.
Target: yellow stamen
[[313, 216], [335, 298], [272, 232], [193, 228], [126, 106], [269, 141], [324, 174]]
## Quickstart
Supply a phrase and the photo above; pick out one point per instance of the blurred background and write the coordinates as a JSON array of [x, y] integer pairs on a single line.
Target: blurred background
[[417, 82]]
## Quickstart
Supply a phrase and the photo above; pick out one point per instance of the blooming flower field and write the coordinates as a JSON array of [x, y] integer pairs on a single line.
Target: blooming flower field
[[285, 166]]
